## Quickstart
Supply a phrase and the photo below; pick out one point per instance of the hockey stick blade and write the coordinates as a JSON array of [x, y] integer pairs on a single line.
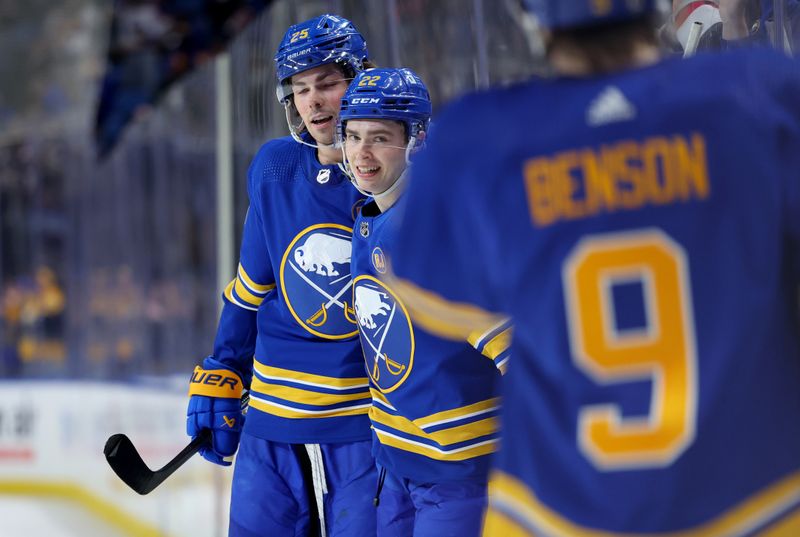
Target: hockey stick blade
[[132, 470]]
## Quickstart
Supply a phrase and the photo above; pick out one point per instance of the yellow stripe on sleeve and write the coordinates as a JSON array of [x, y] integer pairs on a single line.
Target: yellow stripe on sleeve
[[243, 293], [496, 524], [498, 344], [229, 291], [477, 337], [380, 397], [441, 317], [257, 287], [787, 527]]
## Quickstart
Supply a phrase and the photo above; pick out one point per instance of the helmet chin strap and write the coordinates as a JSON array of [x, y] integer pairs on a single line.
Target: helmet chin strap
[[294, 129], [345, 167], [397, 183]]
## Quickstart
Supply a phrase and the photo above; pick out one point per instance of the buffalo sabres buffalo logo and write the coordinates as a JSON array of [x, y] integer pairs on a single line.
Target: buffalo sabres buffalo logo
[[316, 283], [386, 334]]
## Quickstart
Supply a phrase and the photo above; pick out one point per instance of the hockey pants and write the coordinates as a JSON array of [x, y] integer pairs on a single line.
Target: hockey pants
[[407, 508], [275, 492]]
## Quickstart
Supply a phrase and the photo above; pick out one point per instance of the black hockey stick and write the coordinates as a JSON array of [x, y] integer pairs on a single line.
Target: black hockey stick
[[129, 466]]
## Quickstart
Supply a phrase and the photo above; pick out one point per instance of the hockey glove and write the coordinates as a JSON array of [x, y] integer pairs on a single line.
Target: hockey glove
[[214, 404]]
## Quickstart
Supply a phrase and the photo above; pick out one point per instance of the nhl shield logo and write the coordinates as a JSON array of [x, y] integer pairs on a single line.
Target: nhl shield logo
[[364, 229], [323, 176]]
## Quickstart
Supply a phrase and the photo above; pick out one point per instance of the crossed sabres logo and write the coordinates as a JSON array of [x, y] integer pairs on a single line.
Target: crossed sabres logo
[[386, 333], [315, 280]]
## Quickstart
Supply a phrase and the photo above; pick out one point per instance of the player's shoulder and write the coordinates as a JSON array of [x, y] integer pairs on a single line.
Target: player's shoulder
[[758, 56], [276, 160], [755, 68], [481, 110], [473, 130]]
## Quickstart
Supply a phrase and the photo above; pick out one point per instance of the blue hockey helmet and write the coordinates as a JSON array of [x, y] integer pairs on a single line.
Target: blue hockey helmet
[[318, 41], [396, 94], [557, 14], [387, 94]]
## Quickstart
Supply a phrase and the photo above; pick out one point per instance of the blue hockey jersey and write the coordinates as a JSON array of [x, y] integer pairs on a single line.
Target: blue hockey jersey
[[288, 325], [642, 229], [435, 401]]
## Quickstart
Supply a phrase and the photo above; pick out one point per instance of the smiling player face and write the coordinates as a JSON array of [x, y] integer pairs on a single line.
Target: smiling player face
[[376, 152], [317, 96]]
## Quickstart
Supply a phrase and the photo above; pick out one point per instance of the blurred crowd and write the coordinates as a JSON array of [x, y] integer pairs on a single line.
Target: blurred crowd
[[49, 52], [126, 329], [32, 317], [152, 43]]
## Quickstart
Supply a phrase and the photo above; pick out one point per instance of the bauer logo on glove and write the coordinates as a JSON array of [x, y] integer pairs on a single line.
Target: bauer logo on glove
[[215, 383], [214, 404]]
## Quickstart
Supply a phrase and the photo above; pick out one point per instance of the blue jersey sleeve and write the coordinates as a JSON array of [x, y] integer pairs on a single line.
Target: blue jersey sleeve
[[440, 259], [236, 334]]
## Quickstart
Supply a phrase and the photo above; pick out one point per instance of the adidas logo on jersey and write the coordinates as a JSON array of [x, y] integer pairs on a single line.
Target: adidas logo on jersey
[[608, 107]]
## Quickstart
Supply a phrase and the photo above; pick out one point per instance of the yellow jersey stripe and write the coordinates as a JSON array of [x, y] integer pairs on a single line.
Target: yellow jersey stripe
[[476, 339], [243, 293], [381, 398], [305, 397], [445, 437], [496, 524], [789, 526], [441, 317], [228, 290], [513, 494], [232, 299], [503, 366], [469, 452], [285, 411], [498, 344], [257, 287], [308, 379], [474, 409]]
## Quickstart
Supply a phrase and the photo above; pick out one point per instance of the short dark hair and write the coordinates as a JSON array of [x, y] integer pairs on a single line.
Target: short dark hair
[[606, 47]]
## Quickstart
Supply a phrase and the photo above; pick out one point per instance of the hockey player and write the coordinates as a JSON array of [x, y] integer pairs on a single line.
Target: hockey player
[[288, 330], [434, 401], [639, 219]]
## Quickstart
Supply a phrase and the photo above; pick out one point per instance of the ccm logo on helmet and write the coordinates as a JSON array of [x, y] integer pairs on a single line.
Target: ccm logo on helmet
[[365, 100]]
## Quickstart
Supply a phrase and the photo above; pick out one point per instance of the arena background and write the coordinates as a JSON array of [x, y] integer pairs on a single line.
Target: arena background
[[111, 270]]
